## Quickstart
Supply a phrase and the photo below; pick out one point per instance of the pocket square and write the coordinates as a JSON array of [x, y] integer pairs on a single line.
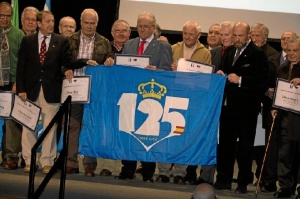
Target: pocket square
[[246, 65]]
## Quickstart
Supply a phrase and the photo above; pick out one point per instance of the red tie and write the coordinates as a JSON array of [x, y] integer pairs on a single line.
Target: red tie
[[141, 47], [43, 51]]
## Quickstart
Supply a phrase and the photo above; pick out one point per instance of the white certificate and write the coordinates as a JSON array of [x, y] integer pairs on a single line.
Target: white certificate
[[140, 61], [5, 103], [185, 65], [26, 113], [286, 96], [79, 88]]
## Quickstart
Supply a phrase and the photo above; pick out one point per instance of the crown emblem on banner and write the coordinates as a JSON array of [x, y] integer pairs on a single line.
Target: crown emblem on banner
[[152, 89]]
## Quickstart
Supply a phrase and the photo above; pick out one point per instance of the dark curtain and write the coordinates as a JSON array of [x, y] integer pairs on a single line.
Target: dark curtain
[[106, 9]]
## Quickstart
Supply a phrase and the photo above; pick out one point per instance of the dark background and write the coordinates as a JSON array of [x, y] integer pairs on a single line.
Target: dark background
[[108, 11]]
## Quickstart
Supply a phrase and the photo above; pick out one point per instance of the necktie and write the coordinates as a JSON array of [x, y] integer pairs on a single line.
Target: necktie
[[141, 47], [43, 51], [237, 54], [223, 50]]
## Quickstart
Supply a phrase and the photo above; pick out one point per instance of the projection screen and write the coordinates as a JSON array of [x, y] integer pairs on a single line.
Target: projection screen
[[278, 15]]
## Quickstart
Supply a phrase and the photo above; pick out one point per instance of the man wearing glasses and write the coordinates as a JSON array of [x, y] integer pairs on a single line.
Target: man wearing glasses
[[10, 40]]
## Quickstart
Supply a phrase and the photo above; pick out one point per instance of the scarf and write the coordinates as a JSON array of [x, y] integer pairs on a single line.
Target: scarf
[[4, 56]]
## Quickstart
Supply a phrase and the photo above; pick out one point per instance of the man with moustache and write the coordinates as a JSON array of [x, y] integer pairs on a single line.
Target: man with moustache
[[246, 67]]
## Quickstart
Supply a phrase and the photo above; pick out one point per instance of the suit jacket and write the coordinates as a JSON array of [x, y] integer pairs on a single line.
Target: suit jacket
[[160, 52], [31, 75], [102, 47], [293, 118], [268, 50], [252, 67]]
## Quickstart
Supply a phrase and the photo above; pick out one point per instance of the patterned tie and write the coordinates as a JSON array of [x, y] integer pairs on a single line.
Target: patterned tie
[[237, 54], [141, 47], [43, 51]]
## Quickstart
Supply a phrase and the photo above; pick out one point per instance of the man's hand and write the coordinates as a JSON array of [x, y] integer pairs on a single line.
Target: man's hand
[[174, 67], [233, 78], [220, 72], [69, 74], [92, 63], [274, 113], [14, 88], [295, 81], [151, 67], [23, 96], [109, 61]]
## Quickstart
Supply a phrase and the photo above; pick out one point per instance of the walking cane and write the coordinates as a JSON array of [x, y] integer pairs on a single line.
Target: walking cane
[[263, 163]]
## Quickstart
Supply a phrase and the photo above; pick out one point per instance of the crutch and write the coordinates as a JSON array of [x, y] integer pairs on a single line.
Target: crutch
[[263, 163]]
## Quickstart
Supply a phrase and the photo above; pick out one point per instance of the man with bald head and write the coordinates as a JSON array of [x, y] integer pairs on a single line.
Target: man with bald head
[[189, 48], [246, 66], [67, 26], [204, 191]]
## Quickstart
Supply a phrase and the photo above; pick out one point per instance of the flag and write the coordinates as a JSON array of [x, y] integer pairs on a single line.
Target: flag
[[153, 116], [15, 19], [47, 5]]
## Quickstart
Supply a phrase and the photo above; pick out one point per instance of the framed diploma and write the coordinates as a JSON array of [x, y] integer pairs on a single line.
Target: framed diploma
[[79, 88], [286, 96], [140, 61], [185, 65], [26, 113], [6, 100]]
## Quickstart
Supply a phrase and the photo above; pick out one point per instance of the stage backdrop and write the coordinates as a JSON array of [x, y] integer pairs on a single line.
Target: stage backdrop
[[157, 116]]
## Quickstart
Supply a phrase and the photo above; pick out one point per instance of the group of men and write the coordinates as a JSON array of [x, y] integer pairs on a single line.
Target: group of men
[[34, 65]]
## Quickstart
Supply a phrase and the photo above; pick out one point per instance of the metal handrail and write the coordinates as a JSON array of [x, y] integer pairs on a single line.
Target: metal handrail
[[60, 162]]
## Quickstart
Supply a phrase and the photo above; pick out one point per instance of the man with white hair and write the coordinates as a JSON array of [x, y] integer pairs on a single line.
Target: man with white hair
[[204, 191]]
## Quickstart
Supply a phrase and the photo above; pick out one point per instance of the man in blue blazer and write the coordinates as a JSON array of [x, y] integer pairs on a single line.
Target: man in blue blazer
[[161, 59]]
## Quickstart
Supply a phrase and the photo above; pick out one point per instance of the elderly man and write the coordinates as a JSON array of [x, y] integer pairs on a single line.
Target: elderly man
[[161, 55], [259, 35], [43, 53], [88, 44], [213, 37], [28, 20], [67, 26], [288, 123], [120, 32], [217, 54], [10, 38], [190, 48], [246, 67]]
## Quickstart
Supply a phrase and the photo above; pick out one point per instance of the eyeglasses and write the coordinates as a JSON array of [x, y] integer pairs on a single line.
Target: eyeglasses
[[30, 20], [146, 27], [121, 31], [2, 16]]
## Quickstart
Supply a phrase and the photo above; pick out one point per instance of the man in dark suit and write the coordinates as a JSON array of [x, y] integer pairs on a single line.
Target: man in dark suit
[[161, 59], [246, 67], [287, 123], [39, 79], [269, 174], [259, 35]]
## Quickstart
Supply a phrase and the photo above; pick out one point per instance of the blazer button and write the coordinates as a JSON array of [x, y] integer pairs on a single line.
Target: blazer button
[[40, 80]]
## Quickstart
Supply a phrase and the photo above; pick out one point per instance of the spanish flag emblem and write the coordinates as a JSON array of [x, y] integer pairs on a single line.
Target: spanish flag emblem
[[179, 130]]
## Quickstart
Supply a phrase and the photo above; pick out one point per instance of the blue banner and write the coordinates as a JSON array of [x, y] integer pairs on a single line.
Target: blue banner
[[156, 116]]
